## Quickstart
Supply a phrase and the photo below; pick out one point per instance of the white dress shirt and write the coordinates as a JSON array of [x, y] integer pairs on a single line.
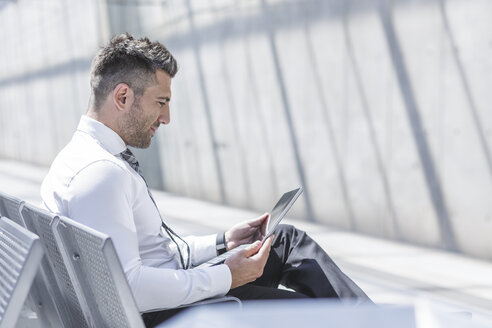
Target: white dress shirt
[[89, 184]]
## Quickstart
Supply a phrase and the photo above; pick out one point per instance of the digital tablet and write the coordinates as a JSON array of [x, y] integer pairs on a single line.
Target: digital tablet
[[276, 215]]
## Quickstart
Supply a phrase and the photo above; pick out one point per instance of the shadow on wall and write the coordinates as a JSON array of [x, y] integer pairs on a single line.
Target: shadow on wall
[[280, 93], [270, 22]]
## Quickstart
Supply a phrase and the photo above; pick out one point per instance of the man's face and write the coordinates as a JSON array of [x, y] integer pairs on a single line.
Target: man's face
[[148, 112]]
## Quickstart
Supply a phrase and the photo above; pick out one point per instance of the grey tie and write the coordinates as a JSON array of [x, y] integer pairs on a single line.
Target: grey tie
[[128, 157]]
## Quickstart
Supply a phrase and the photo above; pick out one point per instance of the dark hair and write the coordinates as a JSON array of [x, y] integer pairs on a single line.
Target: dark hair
[[129, 60]]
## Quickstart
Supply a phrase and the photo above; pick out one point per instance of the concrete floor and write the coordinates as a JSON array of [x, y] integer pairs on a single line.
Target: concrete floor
[[391, 273]]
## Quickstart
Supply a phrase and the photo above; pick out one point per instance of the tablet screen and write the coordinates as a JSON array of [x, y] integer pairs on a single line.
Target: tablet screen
[[281, 208]]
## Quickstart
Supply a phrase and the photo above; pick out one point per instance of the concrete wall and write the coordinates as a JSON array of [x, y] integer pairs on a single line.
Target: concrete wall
[[46, 49], [380, 109]]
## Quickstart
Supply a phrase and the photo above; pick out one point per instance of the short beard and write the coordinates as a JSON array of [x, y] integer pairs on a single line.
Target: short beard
[[134, 127]]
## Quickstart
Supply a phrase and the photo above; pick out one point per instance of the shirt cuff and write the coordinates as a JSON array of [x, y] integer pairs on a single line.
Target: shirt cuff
[[202, 248], [222, 278]]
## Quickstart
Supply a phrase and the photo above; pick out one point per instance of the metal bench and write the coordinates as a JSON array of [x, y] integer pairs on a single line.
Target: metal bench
[[94, 264], [66, 310], [20, 256], [11, 207], [39, 299], [86, 277]]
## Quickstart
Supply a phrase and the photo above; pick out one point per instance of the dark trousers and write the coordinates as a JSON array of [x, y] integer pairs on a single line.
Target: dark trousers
[[297, 262]]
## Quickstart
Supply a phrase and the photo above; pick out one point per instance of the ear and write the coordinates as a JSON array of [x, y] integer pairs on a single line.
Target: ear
[[123, 97]]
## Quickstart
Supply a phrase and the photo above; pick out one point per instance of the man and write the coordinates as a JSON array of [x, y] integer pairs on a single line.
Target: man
[[96, 180]]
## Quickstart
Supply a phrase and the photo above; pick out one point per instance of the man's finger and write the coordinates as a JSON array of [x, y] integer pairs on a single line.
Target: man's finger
[[258, 221], [252, 249], [265, 248]]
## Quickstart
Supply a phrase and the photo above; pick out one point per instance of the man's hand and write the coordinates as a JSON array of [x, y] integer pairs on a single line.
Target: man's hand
[[248, 264], [246, 232]]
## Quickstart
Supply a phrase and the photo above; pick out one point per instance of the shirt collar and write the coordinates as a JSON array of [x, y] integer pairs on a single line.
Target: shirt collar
[[104, 135]]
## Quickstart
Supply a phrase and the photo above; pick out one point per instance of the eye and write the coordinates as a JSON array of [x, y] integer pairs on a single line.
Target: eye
[[161, 103]]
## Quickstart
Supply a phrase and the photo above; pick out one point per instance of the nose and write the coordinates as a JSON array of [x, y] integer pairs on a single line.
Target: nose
[[165, 117]]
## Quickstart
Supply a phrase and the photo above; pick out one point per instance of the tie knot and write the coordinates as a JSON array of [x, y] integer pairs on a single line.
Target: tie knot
[[128, 156]]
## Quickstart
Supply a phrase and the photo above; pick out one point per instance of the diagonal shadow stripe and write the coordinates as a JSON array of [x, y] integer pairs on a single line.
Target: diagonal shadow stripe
[[235, 122], [431, 178], [372, 131], [329, 127], [5, 3], [68, 67], [391, 280], [287, 111], [466, 86], [259, 112], [185, 107], [206, 103]]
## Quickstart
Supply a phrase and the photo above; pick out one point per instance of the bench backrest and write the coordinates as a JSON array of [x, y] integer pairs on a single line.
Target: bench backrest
[[39, 299], [20, 255], [57, 279], [11, 207], [98, 271]]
